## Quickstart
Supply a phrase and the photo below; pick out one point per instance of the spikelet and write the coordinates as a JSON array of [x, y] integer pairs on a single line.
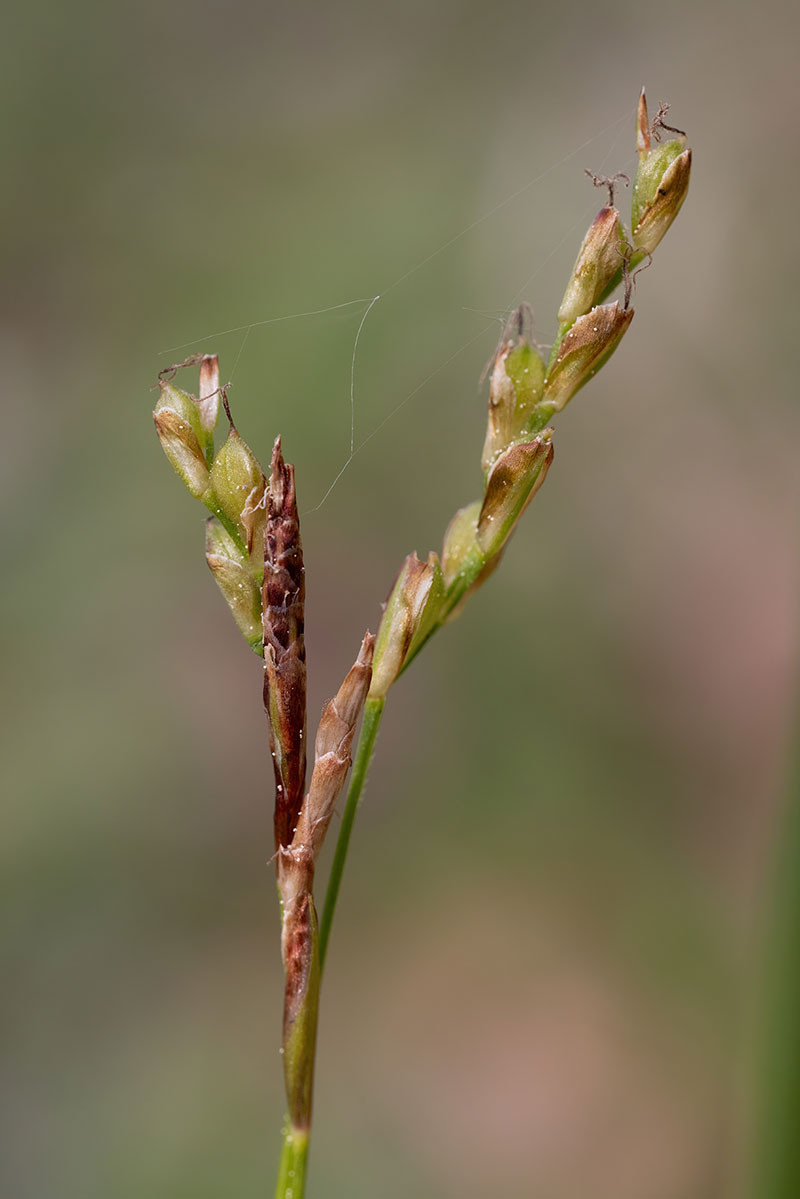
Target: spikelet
[[283, 602]]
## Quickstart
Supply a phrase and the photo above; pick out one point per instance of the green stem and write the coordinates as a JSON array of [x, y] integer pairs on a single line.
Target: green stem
[[373, 710], [777, 1162], [301, 1006], [299, 1042], [294, 1160]]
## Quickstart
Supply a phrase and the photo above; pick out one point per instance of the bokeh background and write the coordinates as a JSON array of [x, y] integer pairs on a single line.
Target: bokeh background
[[544, 974]]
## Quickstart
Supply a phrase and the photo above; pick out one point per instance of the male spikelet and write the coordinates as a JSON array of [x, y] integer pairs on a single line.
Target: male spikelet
[[283, 600]]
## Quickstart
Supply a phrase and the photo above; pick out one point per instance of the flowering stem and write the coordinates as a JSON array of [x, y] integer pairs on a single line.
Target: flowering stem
[[294, 1152], [776, 1168], [373, 710], [294, 1159]]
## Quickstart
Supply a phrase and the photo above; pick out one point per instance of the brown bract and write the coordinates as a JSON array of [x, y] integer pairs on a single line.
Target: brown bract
[[416, 592], [597, 264], [642, 125], [332, 748], [180, 444], [515, 478], [666, 204], [233, 572], [589, 343]]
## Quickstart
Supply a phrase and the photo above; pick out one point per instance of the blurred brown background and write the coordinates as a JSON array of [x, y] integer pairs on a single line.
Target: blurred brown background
[[540, 982]]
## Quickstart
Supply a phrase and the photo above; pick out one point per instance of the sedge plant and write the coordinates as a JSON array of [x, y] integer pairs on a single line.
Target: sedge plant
[[254, 551]]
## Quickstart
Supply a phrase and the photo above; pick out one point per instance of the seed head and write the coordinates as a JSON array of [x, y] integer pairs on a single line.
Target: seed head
[[515, 389], [670, 191], [662, 180], [460, 547], [234, 575], [595, 267], [236, 488], [177, 422], [514, 480], [410, 614], [585, 348]]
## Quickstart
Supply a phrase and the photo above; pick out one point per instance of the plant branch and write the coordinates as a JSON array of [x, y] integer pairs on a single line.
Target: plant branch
[[294, 1160]]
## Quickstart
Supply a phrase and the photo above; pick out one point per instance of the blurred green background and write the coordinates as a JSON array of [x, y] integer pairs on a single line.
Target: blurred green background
[[541, 977]]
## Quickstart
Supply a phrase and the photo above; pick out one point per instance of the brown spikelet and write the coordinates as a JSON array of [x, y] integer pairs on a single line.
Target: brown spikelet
[[284, 646], [332, 747]]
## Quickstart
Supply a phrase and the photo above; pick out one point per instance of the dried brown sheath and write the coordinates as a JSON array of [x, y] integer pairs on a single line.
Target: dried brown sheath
[[284, 646]]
